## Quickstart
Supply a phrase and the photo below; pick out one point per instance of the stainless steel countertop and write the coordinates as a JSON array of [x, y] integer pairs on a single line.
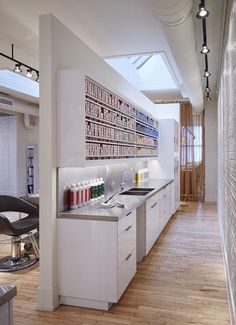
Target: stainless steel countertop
[[7, 292], [93, 211]]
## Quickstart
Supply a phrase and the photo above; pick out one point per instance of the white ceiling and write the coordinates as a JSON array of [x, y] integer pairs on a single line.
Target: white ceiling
[[109, 27]]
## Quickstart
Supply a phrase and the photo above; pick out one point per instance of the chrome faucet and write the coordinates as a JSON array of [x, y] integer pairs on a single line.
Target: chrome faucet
[[122, 182]]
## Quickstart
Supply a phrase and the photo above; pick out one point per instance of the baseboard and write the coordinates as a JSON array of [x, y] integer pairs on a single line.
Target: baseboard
[[87, 303], [228, 283], [210, 198]]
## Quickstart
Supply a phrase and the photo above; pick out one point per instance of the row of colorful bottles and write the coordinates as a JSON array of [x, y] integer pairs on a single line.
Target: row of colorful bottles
[[82, 193]]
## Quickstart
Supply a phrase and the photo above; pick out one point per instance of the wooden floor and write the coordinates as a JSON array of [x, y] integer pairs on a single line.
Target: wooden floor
[[180, 282]]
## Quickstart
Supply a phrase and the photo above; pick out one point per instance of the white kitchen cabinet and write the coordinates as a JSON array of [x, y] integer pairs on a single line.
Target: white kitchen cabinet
[[152, 217], [153, 226], [96, 260], [168, 164]]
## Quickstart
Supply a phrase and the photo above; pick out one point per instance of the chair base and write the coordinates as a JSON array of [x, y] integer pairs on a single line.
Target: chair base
[[7, 264]]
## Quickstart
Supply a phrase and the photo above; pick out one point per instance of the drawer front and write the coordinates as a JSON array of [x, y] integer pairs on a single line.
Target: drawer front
[[126, 221], [150, 202], [126, 271], [126, 242], [152, 226]]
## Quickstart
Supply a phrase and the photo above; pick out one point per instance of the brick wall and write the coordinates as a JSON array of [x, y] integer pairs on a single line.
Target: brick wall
[[227, 154]]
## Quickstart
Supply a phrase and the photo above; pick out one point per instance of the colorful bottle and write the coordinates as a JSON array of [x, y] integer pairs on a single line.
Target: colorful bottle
[[74, 200]]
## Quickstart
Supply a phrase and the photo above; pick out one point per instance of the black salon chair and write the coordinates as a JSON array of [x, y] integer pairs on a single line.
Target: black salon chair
[[18, 259]]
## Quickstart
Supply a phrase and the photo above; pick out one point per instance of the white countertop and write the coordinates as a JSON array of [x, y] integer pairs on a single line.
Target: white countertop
[[93, 211]]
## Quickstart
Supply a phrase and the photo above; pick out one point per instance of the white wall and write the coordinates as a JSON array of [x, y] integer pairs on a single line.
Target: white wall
[[14, 139], [211, 151], [61, 49], [8, 157], [168, 111]]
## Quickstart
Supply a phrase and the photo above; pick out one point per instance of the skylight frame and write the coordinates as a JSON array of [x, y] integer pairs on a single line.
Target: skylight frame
[[33, 88]]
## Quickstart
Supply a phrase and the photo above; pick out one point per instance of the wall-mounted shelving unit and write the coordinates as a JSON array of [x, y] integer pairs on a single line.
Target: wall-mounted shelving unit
[[108, 126], [32, 169]]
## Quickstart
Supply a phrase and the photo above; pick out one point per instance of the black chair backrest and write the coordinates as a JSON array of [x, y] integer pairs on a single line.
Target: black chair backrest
[[11, 203]]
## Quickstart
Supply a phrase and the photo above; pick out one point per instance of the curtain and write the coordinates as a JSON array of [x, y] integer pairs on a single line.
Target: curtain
[[192, 159]]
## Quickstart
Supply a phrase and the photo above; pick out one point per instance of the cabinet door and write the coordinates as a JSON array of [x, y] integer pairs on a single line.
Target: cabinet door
[[152, 225]]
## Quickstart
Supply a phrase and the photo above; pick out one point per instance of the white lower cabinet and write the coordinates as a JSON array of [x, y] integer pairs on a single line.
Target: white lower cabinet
[[152, 221], [152, 217], [96, 260]]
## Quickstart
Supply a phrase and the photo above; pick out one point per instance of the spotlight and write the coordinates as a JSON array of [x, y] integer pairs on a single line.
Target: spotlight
[[17, 68], [207, 73], [29, 73], [202, 13], [207, 90], [37, 77], [204, 49]]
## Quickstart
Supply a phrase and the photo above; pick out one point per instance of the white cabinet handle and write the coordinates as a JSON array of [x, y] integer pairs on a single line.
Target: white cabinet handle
[[128, 257], [153, 205], [128, 228]]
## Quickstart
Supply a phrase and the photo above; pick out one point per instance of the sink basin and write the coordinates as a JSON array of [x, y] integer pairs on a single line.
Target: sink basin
[[146, 189], [137, 191]]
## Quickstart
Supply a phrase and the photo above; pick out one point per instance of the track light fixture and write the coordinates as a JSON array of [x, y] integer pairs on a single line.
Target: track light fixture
[[17, 68], [29, 73], [19, 65], [202, 13], [37, 77], [204, 49], [207, 73]]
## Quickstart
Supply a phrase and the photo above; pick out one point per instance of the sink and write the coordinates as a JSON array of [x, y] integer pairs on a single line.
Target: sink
[[145, 189], [137, 191]]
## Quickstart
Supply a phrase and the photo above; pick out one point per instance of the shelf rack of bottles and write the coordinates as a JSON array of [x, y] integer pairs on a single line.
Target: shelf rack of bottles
[[116, 129]]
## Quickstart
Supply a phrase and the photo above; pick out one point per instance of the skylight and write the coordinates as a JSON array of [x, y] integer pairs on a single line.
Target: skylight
[[16, 82], [146, 72]]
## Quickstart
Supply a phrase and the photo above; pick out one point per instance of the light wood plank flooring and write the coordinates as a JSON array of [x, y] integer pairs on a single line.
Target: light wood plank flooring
[[181, 281]]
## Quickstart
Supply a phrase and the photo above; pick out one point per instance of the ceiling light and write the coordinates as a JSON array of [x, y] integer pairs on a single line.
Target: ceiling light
[[202, 13], [17, 68], [205, 49], [207, 73], [37, 77], [29, 73]]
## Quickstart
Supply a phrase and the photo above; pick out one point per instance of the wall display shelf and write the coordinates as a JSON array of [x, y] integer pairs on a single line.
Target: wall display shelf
[[104, 125], [32, 169]]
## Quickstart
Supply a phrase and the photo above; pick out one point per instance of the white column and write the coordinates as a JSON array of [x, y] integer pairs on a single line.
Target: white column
[[47, 292]]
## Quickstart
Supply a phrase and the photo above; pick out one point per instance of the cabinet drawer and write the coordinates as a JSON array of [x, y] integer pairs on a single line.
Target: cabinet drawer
[[126, 271], [126, 221], [150, 202], [152, 226], [126, 242]]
